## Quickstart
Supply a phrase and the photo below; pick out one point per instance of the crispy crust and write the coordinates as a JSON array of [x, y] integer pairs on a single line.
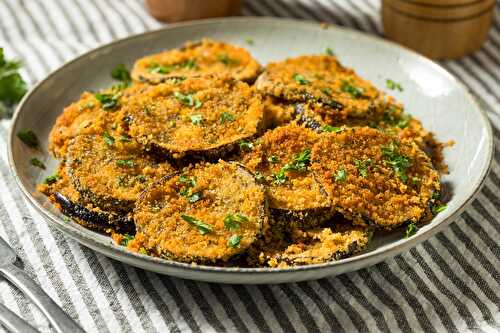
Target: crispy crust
[[197, 59], [85, 116], [276, 112], [324, 82], [111, 176], [300, 246], [381, 197], [300, 200], [195, 126], [225, 188]]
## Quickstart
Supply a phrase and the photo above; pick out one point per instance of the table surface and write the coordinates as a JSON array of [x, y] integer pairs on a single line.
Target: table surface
[[448, 283]]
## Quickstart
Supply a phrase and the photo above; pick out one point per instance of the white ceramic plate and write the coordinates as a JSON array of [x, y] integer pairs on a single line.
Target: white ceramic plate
[[430, 93]]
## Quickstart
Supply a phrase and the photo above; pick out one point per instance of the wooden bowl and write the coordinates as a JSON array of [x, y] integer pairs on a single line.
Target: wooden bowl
[[440, 29], [185, 10]]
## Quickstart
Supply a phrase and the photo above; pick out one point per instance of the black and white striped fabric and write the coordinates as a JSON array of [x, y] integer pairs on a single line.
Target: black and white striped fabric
[[449, 283]]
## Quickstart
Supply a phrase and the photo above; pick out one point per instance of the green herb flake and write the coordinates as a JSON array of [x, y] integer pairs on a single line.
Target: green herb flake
[[341, 175], [280, 178], [28, 137], [194, 197], [232, 222], [124, 138], [300, 79], [329, 51], [51, 179], [86, 106], [143, 251], [125, 163], [246, 145], [225, 116], [196, 119], [126, 239], [234, 240], [332, 129], [273, 159], [108, 101], [393, 85], [224, 58], [36, 162], [141, 178], [411, 229], [352, 90], [12, 85], [188, 99], [415, 180], [438, 208], [363, 167], [158, 69], [203, 228], [400, 163], [249, 41], [122, 74], [327, 91], [189, 181], [108, 139], [259, 177]]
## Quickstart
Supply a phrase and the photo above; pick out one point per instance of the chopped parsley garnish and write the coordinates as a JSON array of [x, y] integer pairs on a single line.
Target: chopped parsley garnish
[[36, 162], [273, 159], [352, 90], [203, 228], [224, 58], [190, 182], [234, 240], [12, 85], [400, 163], [189, 64], [51, 179], [280, 178], [300, 79], [122, 74], [108, 101], [226, 116], [402, 120], [108, 139], [327, 91], [232, 222], [188, 99], [363, 167], [415, 180], [411, 230], [125, 138], [341, 175], [125, 163], [439, 208], [299, 163], [196, 119], [259, 177], [126, 238], [28, 137], [246, 145], [86, 106], [140, 178], [158, 69], [329, 51], [393, 85], [328, 128], [249, 41]]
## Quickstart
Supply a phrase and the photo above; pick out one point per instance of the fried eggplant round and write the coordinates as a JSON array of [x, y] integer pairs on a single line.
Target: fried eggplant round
[[335, 92], [281, 160], [372, 176], [110, 172], [207, 213], [197, 59], [199, 118]]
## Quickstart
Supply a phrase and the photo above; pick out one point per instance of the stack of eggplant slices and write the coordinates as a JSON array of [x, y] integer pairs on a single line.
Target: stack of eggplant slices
[[201, 155]]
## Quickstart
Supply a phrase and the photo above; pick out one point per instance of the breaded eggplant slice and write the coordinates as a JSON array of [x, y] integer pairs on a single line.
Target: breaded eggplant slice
[[281, 159], [195, 59], [88, 116], [207, 213], [110, 172], [372, 176], [199, 118], [61, 191], [310, 246], [334, 91]]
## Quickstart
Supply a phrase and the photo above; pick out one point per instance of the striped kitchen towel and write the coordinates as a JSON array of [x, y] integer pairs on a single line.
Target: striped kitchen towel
[[449, 283]]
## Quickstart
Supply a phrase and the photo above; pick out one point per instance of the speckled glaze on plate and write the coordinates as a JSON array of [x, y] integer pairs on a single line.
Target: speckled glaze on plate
[[430, 93]]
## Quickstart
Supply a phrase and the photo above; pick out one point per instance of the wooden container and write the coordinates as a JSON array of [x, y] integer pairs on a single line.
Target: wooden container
[[439, 29], [184, 10]]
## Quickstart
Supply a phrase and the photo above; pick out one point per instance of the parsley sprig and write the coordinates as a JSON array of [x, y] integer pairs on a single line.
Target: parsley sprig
[[400, 163], [351, 89], [12, 85], [188, 99], [299, 163], [232, 222], [203, 228]]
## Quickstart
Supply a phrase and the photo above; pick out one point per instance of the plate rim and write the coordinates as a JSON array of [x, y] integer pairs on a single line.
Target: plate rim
[[392, 249]]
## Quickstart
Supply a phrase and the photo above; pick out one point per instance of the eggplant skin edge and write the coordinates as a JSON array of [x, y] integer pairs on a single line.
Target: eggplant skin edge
[[96, 220]]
